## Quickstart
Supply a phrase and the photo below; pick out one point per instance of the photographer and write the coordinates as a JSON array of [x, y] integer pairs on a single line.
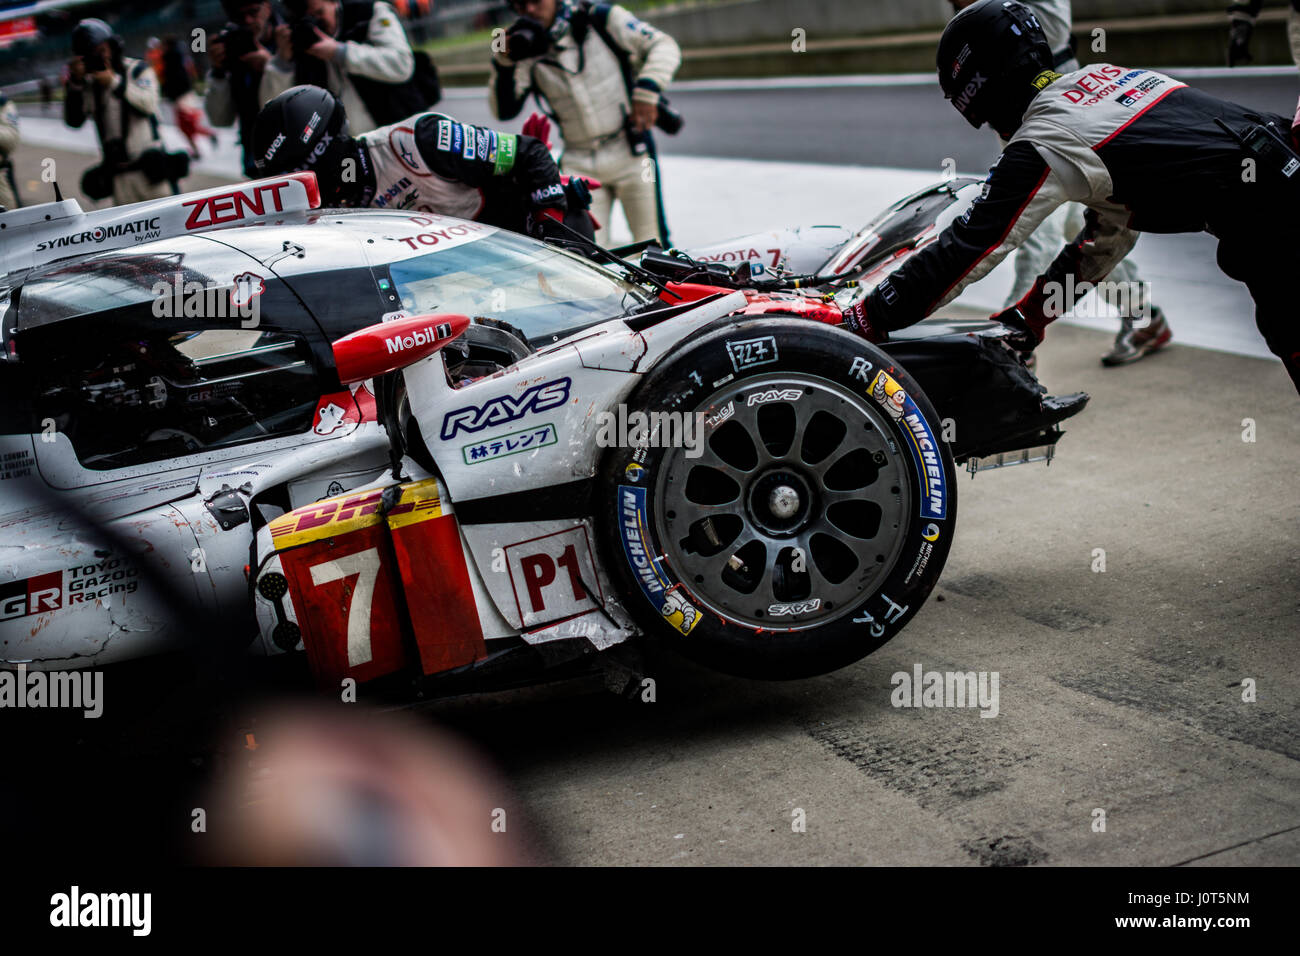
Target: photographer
[[355, 49], [121, 95], [238, 56], [602, 72], [8, 143]]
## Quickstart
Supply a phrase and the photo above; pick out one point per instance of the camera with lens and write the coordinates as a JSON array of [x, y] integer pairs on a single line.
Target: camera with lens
[[94, 62], [238, 42], [114, 152], [527, 38], [669, 120], [303, 35]]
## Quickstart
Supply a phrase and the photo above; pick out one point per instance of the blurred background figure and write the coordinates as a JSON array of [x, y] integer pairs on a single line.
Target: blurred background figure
[[1143, 326], [177, 85], [47, 93], [1243, 16], [120, 95], [603, 73], [237, 58], [339, 786], [8, 143], [153, 54], [357, 50]]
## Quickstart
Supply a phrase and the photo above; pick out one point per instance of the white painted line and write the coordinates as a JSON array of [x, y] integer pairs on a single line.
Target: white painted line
[[902, 79], [1228, 73]]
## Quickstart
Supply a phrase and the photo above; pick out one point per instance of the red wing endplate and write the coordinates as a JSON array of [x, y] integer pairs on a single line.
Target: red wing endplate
[[388, 346]]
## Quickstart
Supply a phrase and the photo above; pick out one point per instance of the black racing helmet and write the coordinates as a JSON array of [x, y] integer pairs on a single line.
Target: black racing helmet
[[993, 59], [89, 34], [304, 128]]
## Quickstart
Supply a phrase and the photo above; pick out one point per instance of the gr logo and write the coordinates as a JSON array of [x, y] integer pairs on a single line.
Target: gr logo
[[32, 596]]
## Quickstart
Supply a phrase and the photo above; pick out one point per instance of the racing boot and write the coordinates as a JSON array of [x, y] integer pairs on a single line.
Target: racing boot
[[1138, 341]]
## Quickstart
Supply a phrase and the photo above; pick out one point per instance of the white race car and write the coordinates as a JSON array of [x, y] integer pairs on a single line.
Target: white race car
[[413, 448]]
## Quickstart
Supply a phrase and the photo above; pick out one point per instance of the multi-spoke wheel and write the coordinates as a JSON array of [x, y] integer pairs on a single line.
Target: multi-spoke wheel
[[793, 508], [804, 525]]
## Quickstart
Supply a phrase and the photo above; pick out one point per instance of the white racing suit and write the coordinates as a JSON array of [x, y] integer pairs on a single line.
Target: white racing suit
[[432, 163], [1142, 152], [582, 80], [1037, 251]]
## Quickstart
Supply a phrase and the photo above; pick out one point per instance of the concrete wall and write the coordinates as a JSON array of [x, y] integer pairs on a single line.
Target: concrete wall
[[744, 38], [756, 21]]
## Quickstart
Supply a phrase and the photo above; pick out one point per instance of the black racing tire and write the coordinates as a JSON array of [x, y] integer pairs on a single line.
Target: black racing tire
[[815, 519]]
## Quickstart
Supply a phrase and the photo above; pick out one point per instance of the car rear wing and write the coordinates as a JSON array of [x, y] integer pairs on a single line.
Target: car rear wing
[[34, 235]]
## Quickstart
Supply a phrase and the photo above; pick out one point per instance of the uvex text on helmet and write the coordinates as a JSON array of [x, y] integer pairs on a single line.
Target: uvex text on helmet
[[295, 130], [988, 59]]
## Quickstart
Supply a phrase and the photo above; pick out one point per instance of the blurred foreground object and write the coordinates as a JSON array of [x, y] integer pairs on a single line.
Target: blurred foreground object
[[324, 787]]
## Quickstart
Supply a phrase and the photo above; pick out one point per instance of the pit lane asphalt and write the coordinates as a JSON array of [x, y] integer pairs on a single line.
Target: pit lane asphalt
[[907, 125], [1119, 690]]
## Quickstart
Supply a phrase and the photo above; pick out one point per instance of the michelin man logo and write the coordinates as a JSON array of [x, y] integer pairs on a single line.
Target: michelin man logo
[[679, 612], [892, 401]]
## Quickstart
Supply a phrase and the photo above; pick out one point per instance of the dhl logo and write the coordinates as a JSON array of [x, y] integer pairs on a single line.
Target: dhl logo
[[351, 512]]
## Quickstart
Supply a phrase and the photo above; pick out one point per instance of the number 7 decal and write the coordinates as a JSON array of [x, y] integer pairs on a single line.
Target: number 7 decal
[[365, 565]]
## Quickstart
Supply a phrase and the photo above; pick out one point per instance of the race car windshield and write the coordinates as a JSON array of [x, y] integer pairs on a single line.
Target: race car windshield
[[539, 289]]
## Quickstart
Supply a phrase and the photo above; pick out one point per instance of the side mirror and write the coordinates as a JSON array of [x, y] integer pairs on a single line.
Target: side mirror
[[388, 346]]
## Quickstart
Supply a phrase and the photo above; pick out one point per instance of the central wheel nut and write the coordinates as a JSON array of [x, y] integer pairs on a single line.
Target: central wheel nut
[[784, 502], [779, 502]]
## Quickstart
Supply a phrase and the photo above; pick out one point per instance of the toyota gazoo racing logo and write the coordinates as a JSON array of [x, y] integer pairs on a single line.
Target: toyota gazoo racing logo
[[960, 61], [506, 408], [425, 336], [964, 98], [311, 126], [142, 229]]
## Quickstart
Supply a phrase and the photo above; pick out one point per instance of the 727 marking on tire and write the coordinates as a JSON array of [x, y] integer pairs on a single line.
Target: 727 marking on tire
[[747, 353]]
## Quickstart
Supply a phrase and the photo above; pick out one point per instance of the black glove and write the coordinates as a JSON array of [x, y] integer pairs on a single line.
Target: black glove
[[1025, 335], [545, 224], [577, 194], [527, 38]]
